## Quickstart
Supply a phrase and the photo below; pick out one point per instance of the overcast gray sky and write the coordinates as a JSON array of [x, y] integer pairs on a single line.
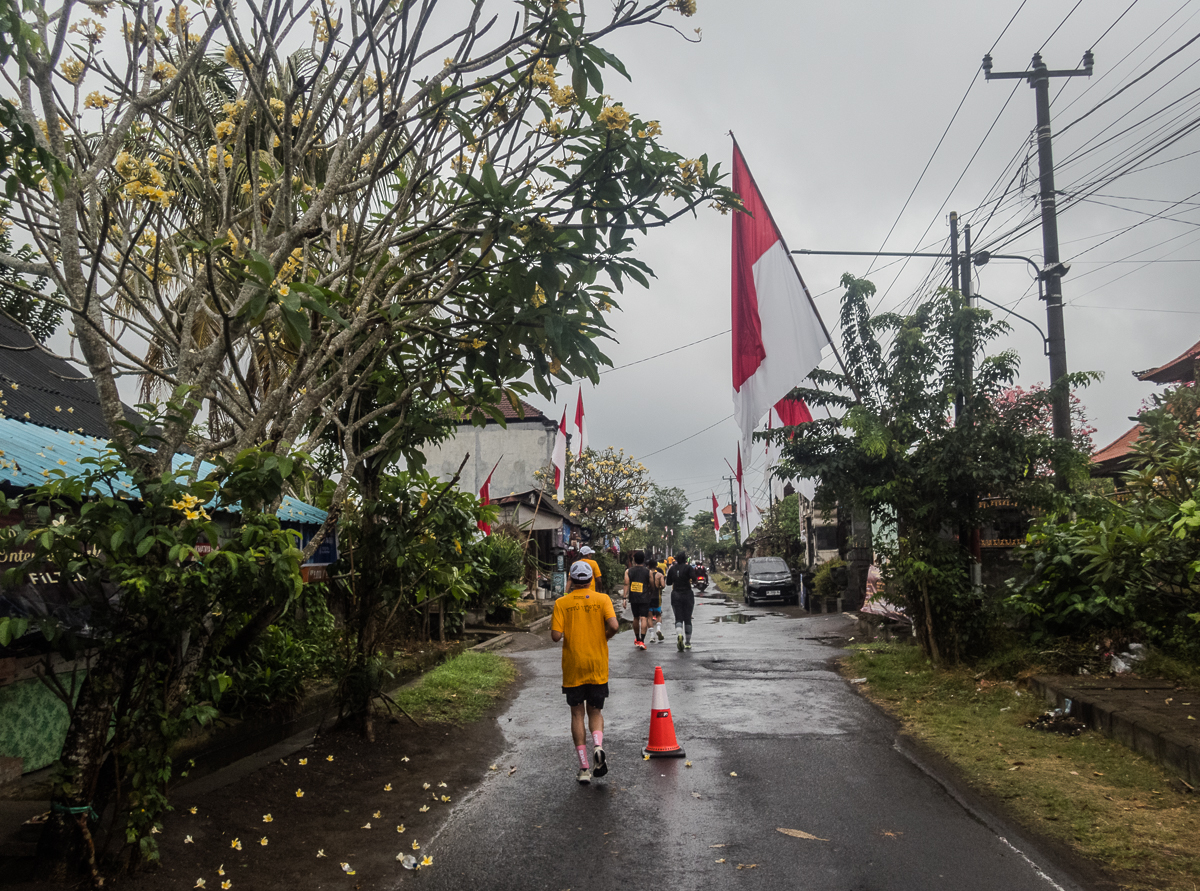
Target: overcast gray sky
[[838, 108]]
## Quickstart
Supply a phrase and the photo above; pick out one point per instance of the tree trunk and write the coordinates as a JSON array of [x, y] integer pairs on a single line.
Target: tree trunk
[[860, 556], [66, 849]]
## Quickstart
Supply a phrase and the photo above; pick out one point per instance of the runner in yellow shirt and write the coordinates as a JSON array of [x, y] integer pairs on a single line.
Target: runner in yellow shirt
[[586, 554], [584, 620]]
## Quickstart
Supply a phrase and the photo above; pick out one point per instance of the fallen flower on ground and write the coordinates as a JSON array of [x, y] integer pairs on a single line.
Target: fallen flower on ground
[[425, 786], [427, 860], [722, 860], [687, 763], [416, 846], [199, 883], [221, 870], [733, 773], [441, 785], [377, 814], [405, 758], [365, 826], [299, 793], [303, 761], [492, 767], [328, 757], [445, 799], [267, 818], [236, 844], [263, 841], [387, 788], [192, 810], [424, 808], [227, 884], [400, 828], [320, 852], [187, 840]]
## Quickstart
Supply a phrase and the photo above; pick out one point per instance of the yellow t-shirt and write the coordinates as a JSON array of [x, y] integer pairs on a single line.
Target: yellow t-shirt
[[596, 573], [580, 617]]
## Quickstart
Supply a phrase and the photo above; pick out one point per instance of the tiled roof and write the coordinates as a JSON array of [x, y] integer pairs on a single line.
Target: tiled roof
[[510, 414], [1181, 368], [36, 386], [1111, 459]]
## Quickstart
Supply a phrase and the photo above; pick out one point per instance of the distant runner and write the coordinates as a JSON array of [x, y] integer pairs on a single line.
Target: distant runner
[[639, 594], [657, 582], [587, 555], [683, 600], [584, 620]]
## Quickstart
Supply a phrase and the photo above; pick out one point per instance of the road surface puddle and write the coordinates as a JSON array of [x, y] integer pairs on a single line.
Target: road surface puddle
[[738, 618]]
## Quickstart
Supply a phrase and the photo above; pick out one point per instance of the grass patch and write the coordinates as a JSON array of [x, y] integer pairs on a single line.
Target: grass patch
[[459, 690], [1106, 801], [725, 584]]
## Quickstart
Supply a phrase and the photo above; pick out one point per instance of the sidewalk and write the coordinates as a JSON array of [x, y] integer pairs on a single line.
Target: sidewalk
[[1158, 719]]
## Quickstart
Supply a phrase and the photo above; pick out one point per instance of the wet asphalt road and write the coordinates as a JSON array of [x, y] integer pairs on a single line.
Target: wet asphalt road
[[756, 698]]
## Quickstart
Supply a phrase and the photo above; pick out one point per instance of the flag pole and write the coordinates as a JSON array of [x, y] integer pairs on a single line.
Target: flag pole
[[796, 269]]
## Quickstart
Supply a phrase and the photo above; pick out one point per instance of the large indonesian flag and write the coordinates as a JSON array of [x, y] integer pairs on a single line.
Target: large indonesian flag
[[485, 497], [777, 334], [559, 457]]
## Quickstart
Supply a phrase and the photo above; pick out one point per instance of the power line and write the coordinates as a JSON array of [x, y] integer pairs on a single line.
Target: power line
[[665, 352], [1060, 24], [686, 438]]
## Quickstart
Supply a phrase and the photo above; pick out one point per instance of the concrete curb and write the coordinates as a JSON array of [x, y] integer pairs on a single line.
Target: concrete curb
[[503, 640], [1134, 727]]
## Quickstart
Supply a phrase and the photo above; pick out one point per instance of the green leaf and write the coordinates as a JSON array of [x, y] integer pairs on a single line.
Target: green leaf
[[145, 545]]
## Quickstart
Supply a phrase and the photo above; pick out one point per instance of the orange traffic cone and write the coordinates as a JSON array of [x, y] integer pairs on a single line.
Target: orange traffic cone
[[662, 729]]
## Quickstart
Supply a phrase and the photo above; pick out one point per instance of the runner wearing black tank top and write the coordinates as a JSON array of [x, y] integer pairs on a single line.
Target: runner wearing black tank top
[[639, 596]]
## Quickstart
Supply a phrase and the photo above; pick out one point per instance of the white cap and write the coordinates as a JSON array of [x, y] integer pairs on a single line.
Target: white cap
[[581, 571], [586, 551]]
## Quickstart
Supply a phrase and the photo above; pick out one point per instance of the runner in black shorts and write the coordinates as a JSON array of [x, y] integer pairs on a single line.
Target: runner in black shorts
[[639, 595], [683, 599]]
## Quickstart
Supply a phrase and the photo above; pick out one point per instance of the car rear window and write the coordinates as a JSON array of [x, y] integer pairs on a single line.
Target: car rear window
[[768, 564]]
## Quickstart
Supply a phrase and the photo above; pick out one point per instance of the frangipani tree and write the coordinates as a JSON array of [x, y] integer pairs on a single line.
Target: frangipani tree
[[267, 202]]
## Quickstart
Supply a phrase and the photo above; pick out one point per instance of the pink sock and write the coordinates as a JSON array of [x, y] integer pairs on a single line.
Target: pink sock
[[583, 756], [598, 736]]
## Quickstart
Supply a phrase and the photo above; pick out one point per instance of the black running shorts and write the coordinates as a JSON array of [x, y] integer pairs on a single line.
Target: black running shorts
[[593, 694], [640, 610]]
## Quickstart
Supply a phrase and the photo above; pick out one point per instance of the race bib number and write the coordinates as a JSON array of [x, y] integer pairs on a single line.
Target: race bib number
[[635, 587]]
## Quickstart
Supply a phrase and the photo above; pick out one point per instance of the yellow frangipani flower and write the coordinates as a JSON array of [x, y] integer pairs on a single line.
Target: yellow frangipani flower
[[425, 786], [267, 818], [328, 757], [424, 808], [416, 845], [263, 841], [405, 758], [427, 860], [192, 810], [299, 793], [377, 815], [187, 840], [400, 828], [221, 870], [320, 852], [303, 761], [387, 788], [236, 844], [227, 884], [199, 883]]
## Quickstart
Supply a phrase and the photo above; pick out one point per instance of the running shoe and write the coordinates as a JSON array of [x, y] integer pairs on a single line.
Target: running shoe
[[585, 776], [679, 642], [658, 631], [600, 760], [639, 645], [687, 646]]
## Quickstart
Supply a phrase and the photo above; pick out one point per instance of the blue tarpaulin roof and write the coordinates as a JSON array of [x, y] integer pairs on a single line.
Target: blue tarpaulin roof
[[30, 452]]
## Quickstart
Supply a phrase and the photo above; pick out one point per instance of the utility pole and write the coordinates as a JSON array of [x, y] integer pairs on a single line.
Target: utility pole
[[1053, 269], [737, 539]]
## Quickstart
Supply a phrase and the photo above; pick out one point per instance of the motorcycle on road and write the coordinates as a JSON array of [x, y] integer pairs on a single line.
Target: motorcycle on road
[[700, 579]]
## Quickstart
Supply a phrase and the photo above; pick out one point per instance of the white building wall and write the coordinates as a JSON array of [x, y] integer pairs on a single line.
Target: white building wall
[[522, 448]]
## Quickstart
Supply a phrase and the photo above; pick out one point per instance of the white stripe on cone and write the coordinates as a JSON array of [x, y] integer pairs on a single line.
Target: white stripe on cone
[[658, 698]]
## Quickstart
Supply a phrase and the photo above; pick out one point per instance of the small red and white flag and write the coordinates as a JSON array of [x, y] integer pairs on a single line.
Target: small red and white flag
[[580, 425], [718, 517], [777, 334], [485, 497], [559, 457]]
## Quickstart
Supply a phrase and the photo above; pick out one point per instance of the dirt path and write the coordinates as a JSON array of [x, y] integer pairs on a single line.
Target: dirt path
[[345, 783]]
